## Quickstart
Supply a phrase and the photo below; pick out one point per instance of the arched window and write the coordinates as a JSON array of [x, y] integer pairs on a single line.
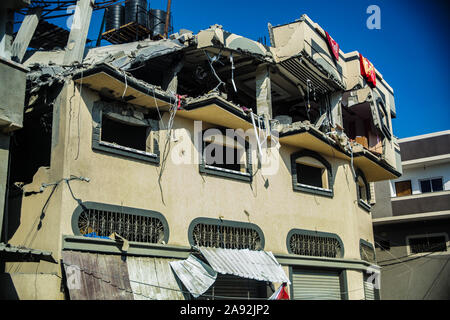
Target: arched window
[[315, 244], [362, 190], [207, 232], [367, 251], [102, 220], [311, 173]]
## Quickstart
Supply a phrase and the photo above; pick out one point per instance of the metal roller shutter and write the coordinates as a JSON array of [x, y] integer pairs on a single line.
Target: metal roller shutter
[[369, 289], [233, 287], [316, 285]]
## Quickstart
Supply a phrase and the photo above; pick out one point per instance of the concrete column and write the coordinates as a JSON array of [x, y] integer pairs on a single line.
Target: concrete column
[[25, 34], [6, 31], [78, 32], [4, 161], [170, 79], [263, 91]]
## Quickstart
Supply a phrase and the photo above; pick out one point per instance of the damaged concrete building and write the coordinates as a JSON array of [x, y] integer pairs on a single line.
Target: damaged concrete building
[[109, 147]]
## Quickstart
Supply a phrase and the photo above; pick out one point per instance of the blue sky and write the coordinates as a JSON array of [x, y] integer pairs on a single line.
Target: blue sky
[[411, 49]]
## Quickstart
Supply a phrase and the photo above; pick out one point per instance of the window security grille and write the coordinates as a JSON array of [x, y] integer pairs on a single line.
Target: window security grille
[[135, 228], [428, 244], [316, 246], [208, 235]]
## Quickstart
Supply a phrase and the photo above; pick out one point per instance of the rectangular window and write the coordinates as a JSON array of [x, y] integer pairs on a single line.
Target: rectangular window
[[115, 132], [437, 243], [309, 175], [403, 188], [437, 185], [431, 185], [229, 159], [125, 130], [225, 156]]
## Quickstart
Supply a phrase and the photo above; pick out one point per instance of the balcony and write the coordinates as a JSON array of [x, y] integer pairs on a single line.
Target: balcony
[[433, 203]]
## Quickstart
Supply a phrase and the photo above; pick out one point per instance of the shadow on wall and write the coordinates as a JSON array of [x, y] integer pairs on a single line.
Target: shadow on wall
[[7, 289], [424, 278]]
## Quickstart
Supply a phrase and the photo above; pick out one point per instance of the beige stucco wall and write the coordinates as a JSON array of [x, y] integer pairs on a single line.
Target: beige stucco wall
[[184, 195], [31, 286]]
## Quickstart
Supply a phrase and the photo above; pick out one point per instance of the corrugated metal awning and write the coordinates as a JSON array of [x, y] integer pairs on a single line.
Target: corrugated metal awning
[[92, 276], [196, 276], [152, 279], [257, 265]]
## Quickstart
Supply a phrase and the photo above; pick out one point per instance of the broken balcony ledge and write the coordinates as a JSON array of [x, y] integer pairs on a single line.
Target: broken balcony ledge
[[304, 134], [334, 144], [104, 78], [215, 109], [120, 85]]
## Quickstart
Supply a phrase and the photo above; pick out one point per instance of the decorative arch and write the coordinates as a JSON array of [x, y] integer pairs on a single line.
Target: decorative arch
[[137, 225]]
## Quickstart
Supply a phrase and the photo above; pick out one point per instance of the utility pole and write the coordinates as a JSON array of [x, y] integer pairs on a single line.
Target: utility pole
[[166, 27]]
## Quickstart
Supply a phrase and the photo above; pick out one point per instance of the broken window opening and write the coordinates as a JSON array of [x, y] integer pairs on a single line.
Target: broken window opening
[[359, 127], [126, 130], [311, 173], [115, 132], [316, 111], [224, 160], [31, 146], [225, 156], [363, 190]]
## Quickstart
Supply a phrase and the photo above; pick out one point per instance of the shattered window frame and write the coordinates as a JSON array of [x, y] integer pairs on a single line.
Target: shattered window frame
[[152, 125], [205, 168], [326, 192], [364, 204]]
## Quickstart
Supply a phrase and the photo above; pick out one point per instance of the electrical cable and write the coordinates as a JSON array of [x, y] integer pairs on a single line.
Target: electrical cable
[[27, 242], [210, 61], [412, 259]]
